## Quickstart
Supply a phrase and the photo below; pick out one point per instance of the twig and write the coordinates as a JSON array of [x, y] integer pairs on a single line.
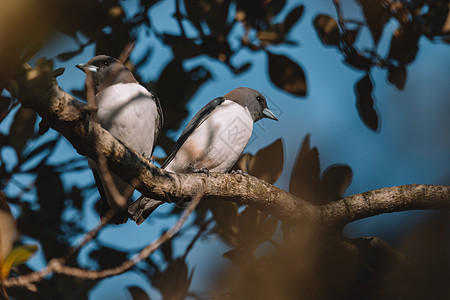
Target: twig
[[56, 265]]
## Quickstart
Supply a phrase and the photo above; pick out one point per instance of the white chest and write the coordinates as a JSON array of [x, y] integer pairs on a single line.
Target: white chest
[[218, 142]]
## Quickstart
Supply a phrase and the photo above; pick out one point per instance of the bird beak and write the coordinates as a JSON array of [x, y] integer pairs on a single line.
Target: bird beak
[[268, 114], [86, 67]]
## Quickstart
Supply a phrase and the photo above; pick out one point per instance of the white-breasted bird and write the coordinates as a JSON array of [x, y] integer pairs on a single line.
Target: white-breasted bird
[[212, 141], [128, 111]]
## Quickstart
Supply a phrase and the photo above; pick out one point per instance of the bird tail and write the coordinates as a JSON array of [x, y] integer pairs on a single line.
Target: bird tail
[[140, 209]]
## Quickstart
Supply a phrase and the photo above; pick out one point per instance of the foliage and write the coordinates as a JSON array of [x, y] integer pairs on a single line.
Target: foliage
[[276, 260]]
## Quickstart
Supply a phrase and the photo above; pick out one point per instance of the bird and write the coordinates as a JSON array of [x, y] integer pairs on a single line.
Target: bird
[[128, 111], [212, 141]]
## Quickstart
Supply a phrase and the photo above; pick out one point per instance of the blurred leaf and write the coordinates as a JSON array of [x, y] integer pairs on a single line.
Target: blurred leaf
[[335, 181], [50, 192], [77, 197], [305, 177], [269, 227], [248, 230], [182, 47], [307, 183], [7, 228], [69, 55], [358, 60], [226, 216], [397, 76], [266, 164], [5, 103], [273, 36], [22, 128], [137, 293], [327, 29], [242, 68], [167, 250], [404, 43], [108, 257], [173, 283], [351, 35], [18, 256], [293, 17], [287, 75], [187, 84], [376, 14], [365, 103], [50, 145]]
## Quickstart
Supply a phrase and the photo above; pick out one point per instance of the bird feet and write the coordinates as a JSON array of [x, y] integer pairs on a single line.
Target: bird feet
[[239, 171], [201, 170]]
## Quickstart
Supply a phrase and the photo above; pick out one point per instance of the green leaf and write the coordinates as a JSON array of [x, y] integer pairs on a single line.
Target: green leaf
[[18, 256]]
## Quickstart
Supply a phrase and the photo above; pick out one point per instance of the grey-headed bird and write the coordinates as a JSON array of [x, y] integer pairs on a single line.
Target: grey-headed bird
[[212, 141], [128, 111]]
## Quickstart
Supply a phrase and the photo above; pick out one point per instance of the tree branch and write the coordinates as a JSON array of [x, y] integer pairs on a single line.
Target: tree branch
[[69, 117]]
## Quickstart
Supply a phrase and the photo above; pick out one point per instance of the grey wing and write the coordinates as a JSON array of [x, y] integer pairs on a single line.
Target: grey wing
[[196, 121], [159, 121]]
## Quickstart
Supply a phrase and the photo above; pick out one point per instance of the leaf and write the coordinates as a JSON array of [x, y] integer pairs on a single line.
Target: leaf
[[50, 145], [68, 55], [5, 103], [365, 102], [50, 191], [268, 227], [137, 293], [404, 43], [305, 177], [358, 60], [248, 230], [335, 181], [174, 282], [397, 76], [22, 128], [293, 17], [266, 164], [287, 75], [376, 14], [242, 68], [18, 256], [226, 216], [327, 29], [7, 228]]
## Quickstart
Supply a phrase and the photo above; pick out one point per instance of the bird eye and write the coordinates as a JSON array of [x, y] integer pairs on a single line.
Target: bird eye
[[105, 62], [258, 98]]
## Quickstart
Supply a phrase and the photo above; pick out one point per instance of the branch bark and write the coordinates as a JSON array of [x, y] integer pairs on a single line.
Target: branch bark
[[69, 117]]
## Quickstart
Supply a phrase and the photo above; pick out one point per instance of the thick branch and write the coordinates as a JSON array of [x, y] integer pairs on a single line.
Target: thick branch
[[386, 200], [68, 116]]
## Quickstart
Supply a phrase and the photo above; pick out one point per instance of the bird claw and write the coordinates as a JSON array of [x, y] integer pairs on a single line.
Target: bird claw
[[239, 171], [201, 170]]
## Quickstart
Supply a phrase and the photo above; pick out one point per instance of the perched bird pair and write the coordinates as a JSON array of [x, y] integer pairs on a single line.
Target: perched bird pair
[[212, 141]]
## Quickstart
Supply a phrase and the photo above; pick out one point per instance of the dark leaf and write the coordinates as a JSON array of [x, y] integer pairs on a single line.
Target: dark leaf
[[293, 17], [50, 145], [305, 177], [272, 36], [287, 75], [58, 72], [335, 181], [68, 55], [22, 128], [351, 35], [242, 68], [5, 103], [50, 192], [77, 197], [238, 257], [182, 47], [268, 227], [108, 257], [397, 76], [167, 250], [248, 227], [404, 43], [357, 60], [174, 282], [376, 14], [365, 103], [226, 216], [327, 29], [137, 293], [266, 164]]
